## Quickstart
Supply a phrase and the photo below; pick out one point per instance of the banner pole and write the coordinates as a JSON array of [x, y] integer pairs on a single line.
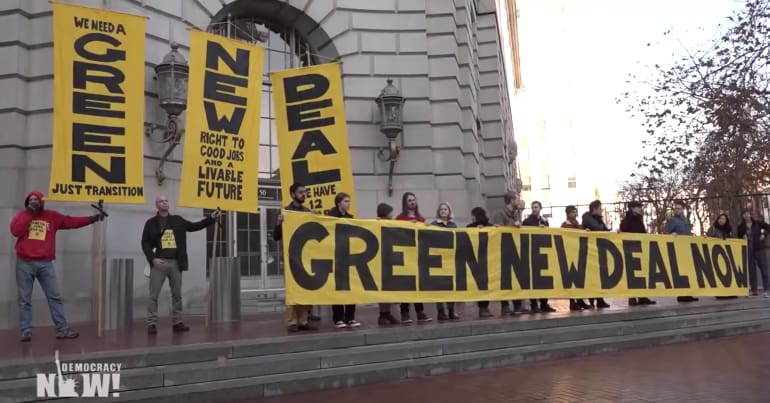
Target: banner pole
[[213, 256], [99, 270]]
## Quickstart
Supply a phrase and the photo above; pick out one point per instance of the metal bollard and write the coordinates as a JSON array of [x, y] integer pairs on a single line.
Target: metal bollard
[[224, 290], [119, 294]]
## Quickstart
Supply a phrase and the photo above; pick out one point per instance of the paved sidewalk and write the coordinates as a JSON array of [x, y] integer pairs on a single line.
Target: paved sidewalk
[[733, 369]]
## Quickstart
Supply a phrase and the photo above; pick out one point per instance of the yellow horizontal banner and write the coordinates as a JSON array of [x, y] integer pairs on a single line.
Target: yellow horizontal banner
[[343, 261]]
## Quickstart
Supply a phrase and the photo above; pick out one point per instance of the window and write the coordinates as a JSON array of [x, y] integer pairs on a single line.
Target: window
[[546, 182], [527, 185], [572, 182]]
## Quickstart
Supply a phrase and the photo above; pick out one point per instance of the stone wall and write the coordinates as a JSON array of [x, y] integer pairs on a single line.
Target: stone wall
[[440, 53]]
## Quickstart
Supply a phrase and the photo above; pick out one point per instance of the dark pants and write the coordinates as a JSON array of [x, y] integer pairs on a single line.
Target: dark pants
[[543, 302], [757, 262], [450, 306], [483, 304], [418, 307], [343, 313]]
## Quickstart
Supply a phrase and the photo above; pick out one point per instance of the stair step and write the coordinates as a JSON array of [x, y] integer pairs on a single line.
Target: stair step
[[268, 367], [328, 378]]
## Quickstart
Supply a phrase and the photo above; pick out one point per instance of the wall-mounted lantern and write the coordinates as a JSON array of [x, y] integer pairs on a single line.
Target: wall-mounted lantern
[[390, 103]]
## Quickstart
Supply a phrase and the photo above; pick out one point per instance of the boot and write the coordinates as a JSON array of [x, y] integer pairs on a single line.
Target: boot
[[583, 304], [633, 302], [601, 304], [646, 301], [574, 306], [441, 315]]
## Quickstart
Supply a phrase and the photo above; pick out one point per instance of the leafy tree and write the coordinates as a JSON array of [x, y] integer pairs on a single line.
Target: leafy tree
[[707, 114]]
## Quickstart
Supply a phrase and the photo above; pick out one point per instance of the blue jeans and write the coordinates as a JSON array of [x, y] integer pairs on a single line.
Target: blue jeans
[[26, 273]]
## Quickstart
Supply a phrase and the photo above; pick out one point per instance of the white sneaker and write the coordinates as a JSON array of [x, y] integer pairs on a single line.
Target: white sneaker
[[354, 323], [341, 325]]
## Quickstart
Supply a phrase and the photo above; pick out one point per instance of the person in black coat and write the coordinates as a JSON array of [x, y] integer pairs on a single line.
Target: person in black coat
[[593, 221], [752, 229], [480, 220], [343, 315], [633, 222]]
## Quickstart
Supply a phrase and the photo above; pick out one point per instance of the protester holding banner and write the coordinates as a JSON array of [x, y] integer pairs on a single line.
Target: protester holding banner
[[385, 212], [164, 243], [480, 220], [343, 315], [721, 229], [535, 219], [678, 224], [35, 231], [444, 219], [594, 221], [296, 315], [410, 211], [751, 230], [571, 222], [634, 222], [510, 216]]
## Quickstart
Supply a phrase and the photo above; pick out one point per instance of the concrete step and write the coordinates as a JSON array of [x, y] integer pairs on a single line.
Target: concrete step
[[267, 367], [247, 387]]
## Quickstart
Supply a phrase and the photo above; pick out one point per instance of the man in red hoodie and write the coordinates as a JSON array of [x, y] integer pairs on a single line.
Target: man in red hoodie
[[35, 231]]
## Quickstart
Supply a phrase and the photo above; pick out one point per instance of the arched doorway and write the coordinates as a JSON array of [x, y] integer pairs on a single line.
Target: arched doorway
[[249, 237]]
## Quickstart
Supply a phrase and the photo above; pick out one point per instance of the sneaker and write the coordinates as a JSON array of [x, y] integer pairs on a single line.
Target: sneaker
[[422, 317], [383, 320], [340, 325], [306, 327], [440, 317], [646, 301], [753, 294], [601, 304], [67, 334], [354, 323], [633, 302], [25, 337], [405, 318], [505, 310], [453, 316], [152, 329], [180, 327], [293, 328]]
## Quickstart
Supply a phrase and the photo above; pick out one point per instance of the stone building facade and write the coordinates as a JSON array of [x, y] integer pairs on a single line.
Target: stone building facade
[[444, 55]]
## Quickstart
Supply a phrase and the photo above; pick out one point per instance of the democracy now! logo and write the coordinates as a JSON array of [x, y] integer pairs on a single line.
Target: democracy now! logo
[[80, 379]]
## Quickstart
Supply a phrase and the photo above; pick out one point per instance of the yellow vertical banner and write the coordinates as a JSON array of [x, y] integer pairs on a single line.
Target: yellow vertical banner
[[312, 136], [98, 118], [221, 147]]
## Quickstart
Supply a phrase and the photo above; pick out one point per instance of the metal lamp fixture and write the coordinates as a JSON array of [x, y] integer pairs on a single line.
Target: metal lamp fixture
[[390, 103], [171, 76]]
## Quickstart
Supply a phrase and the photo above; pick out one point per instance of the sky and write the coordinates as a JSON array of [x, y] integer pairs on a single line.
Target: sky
[[578, 66]]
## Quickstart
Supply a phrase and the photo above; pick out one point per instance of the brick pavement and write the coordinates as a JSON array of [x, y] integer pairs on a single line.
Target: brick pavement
[[735, 369]]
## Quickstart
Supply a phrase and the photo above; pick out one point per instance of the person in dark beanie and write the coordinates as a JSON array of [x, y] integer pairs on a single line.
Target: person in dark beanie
[[480, 220], [721, 229], [633, 223], [343, 315], [35, 231], [575, 305], [593, 220], [385, 212]]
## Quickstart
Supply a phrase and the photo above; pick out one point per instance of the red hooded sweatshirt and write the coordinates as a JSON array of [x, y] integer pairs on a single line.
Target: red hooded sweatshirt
[[36, 234]]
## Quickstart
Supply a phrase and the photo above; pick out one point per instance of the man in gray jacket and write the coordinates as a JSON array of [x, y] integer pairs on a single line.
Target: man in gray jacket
[[509, 216]]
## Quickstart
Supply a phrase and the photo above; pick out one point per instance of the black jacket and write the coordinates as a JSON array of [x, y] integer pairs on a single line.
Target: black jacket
[[278, 230], [535, 221], [594, 222], [756, 231], [633, 223], [152, 232], [335, 212]]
